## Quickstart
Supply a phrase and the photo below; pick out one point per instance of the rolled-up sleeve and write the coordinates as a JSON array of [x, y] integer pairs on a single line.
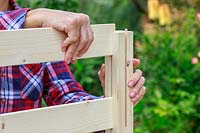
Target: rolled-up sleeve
[[14, 19], [60, 87]]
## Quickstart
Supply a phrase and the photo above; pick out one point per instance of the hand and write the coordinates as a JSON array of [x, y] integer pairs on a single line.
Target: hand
[[75, 25], [135, 83]]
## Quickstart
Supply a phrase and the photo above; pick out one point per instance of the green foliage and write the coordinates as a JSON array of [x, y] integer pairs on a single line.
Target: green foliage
[[124, 13], [172, 101], [67, 5], [85, 71]]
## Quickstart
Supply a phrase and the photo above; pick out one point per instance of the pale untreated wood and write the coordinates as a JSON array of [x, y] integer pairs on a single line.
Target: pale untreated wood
[[41, 45], [128, 72], [108, 82], [81, 117], [108, 76], [120, 91]]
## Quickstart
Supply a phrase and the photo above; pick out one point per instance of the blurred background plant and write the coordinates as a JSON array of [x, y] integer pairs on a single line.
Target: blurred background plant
[[167, 35]]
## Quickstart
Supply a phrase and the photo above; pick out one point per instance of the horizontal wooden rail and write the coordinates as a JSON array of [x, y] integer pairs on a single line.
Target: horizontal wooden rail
[[17, 46], [80, 117]]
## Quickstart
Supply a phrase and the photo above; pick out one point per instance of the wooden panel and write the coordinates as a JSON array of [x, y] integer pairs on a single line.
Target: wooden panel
[[41, 45], [72, 118]]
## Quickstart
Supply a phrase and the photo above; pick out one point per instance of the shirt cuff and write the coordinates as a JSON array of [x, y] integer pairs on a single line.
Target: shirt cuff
[[79, 96]]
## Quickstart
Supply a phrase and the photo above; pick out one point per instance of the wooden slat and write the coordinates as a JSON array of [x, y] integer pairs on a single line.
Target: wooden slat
[[108, 81], [129, 71], [41, 45], [72, 118], [108, 76], [121, 100]]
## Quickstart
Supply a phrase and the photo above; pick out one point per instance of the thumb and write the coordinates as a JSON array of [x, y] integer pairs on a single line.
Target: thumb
[[101, 75], [136, 62]]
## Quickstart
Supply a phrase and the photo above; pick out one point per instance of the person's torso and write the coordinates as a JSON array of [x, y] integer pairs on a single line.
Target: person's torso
[[21, 87]]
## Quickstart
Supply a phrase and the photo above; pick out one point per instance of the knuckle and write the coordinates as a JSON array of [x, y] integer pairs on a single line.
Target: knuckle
[[91, 38], [74, 38], [86, 49], [84, 41], [137, 97], [76, 54], [69, 53], [84, 17], [144, 90], [139, 71], [99, 73], [72, 21], [78, 50], [143, 79]]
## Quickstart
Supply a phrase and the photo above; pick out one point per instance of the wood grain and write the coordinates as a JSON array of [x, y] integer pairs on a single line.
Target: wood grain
[[29, 46], [80, 117]]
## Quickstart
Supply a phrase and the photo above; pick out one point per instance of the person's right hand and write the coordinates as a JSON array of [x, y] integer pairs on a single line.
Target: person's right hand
[[136, 83], [75, 25]]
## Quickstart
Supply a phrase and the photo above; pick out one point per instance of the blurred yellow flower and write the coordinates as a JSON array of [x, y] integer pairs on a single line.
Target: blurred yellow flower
[[153, 9], [164, 14]]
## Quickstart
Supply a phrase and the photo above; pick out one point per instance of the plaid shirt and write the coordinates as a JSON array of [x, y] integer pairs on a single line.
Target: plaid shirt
[[23, 87]]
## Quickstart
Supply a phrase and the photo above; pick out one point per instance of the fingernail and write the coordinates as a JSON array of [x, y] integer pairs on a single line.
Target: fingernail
[[132, 94]]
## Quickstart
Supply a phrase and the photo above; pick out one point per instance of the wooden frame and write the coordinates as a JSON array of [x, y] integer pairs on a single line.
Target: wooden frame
[[113, 113]]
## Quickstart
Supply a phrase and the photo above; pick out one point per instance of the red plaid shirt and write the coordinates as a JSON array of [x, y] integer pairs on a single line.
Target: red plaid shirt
[[23, 87]]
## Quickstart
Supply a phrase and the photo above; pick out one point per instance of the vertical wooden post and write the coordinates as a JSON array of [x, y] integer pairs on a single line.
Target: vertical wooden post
[[108, 82], [129, 71], [120, 69]]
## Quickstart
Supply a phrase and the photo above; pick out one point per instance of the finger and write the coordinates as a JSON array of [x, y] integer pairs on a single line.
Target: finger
[[64, 28], [101, 75], [73, 61], [69, 53], [59, 26], [139, 96], [101, 72], [84, 40], [72, 38], [135, 89], [136, 62], [103, 69], [135, 78], [90, 40]]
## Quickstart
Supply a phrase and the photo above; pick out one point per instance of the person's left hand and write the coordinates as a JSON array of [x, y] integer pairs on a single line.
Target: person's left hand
[[76, 26], [136, 83]]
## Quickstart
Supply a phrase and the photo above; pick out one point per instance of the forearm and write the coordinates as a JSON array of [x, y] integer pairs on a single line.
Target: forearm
[[34, 18], [4, 5]]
